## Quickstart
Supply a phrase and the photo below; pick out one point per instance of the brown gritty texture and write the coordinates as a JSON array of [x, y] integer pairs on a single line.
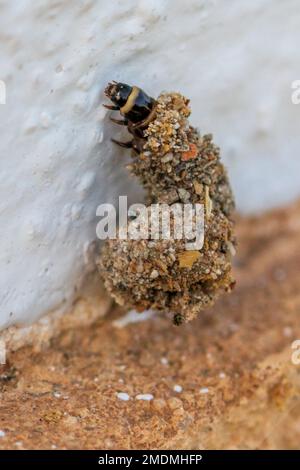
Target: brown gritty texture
[[239, 352], [176, 166]]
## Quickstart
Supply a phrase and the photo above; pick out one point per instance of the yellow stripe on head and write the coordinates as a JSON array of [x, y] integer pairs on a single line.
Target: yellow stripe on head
[[130, 101]]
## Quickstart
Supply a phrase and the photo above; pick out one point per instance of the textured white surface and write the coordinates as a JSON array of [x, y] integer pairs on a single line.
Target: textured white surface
[[235, 60]]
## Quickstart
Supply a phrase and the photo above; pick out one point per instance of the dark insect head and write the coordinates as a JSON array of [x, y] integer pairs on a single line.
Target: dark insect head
[[134, 105], [118, 93]]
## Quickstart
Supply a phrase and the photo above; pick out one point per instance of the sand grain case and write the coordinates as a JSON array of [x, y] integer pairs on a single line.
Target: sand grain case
[[176, 166]]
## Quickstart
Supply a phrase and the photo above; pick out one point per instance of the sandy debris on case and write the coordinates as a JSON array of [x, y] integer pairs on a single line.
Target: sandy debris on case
[[177, 166]]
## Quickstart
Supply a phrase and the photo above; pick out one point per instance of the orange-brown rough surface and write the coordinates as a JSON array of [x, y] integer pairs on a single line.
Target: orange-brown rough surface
[[235, 383]]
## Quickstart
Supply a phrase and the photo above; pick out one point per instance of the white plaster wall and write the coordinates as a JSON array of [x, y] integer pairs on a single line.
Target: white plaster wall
[[235, 60]]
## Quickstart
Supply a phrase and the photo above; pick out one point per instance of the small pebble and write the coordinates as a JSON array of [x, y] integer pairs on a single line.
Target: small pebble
[[184, 194], [164, 361], [167, 158], [222, 375], [2, 433], [123, 396], [177, 388], [204, 390], [154, 274], [145, 396]]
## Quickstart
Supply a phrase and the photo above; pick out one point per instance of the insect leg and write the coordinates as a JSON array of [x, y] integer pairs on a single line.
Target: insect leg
[[136, 151], [122, 122], [126, 145], [113, 108]]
